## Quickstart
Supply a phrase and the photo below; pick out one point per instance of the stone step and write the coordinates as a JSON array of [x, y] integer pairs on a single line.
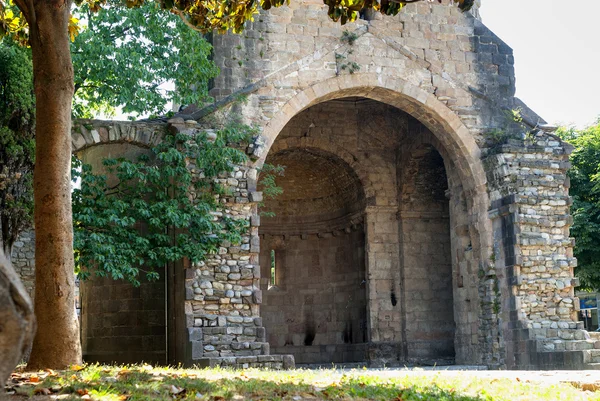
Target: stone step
[[549, 345], [243, 362], [591, 366], [593, 355]]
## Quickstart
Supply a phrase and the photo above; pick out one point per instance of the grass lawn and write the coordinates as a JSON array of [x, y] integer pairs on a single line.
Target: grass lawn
[[97, 382]]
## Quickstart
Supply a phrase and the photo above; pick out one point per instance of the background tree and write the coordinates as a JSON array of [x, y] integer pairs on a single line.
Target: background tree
[[122, 57], [106, 58], [585, 190], [17, 143], [48, 26], [118, 48]]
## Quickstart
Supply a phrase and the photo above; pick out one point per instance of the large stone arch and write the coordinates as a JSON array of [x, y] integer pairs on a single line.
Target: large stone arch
[[394, 91], [461, 157]]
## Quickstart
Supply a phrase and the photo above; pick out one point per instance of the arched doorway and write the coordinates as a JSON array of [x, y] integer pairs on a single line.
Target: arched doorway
[[420, 242], [122, 323]]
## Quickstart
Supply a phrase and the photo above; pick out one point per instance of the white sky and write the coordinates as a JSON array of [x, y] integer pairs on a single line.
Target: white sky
[[557, 54]]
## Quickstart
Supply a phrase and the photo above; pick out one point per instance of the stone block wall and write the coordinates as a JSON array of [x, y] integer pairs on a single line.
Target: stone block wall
[[317, 309], [432, 46], [23, 260], [122, 323]]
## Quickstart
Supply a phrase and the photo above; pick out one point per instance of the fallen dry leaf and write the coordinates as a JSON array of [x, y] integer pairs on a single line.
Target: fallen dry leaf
[[590, 386]]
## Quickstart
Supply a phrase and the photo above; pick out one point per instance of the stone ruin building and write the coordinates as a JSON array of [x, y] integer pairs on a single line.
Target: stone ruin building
[[417, 224]]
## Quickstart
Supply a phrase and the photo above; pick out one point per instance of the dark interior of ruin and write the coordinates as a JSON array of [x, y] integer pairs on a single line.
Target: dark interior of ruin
[[313, 256]]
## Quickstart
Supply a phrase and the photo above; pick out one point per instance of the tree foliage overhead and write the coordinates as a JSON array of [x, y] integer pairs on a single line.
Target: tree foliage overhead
[[221, 15], [122, 56], [157, 209], [585, 190], [17, 143]]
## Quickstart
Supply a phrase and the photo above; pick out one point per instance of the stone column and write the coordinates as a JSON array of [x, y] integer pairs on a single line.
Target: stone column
[[533, 253], [384, 313], [222, 293]]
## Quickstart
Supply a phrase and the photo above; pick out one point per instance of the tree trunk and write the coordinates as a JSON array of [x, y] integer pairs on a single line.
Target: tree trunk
[[56, 344], [17, 322]]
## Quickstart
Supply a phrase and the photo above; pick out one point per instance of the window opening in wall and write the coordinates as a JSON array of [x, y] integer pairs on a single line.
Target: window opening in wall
[[272, 273]]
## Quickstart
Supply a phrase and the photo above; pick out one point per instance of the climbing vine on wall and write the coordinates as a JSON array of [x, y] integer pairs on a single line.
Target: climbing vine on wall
[[158, 208]]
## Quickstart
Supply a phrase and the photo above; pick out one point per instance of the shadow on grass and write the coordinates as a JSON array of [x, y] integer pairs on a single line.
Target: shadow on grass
[[135, 385]]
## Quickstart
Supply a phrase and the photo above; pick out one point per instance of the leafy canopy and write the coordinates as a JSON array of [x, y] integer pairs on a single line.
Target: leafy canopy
[[585, 189], [17, 144], [208, 15], [158, 208], [122, 56]]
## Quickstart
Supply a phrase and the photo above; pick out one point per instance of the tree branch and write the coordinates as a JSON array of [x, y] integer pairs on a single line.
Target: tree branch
[[185, 21], [26, 8]]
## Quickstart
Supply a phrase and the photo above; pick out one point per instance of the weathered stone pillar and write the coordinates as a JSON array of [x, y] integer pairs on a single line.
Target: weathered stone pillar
[[533, 254], [384, 313], [222, 294]]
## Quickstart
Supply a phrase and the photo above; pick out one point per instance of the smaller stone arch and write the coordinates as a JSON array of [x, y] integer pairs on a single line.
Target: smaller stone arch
[[88, 133], [119, 322], [353, 161], [321, 192]]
